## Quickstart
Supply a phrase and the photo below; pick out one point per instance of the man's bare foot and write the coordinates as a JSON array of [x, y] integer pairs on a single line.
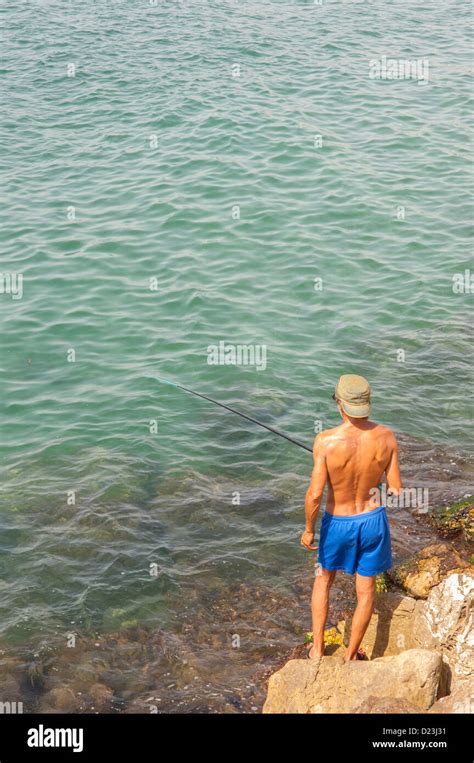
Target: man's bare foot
[[312, 655], [359, 655]]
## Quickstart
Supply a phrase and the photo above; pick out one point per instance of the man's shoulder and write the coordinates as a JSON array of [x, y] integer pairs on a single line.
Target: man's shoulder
[[385, 435], [384, 430], [328, 436], [324, 437], [328, 432]]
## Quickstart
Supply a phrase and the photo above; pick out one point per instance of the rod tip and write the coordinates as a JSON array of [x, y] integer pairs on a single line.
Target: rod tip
[[165, 381]]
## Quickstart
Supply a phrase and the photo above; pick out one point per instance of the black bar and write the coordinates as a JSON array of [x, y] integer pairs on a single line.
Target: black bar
[[154, 736]]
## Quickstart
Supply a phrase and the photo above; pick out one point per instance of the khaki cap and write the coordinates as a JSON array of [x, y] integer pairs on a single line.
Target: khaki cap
[[354, 393]]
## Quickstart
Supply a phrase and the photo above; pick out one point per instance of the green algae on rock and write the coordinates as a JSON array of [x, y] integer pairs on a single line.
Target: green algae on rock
[[455, 518], [381, 583]]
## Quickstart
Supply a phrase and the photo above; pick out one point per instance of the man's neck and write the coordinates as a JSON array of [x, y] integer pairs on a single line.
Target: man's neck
[[358, 423]]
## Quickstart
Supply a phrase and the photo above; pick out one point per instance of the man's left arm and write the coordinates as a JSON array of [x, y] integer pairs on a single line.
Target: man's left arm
[[314, 494]]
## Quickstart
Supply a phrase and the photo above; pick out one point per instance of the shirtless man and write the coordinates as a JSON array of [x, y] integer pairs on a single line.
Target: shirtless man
[[354, 533]]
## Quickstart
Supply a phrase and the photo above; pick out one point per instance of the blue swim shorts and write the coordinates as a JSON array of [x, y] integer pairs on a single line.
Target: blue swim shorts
[[356, 543]]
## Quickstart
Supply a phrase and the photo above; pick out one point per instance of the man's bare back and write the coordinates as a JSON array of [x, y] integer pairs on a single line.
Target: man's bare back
[[352, 459], [356, 455]]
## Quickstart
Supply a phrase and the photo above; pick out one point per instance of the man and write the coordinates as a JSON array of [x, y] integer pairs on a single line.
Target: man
[[354, 535]]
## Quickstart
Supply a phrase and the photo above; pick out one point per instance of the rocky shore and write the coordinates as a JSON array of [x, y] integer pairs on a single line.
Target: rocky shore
[[419, 644]]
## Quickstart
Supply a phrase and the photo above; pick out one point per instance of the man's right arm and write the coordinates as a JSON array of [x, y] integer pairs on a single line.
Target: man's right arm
[[394, 480], [314, 494]]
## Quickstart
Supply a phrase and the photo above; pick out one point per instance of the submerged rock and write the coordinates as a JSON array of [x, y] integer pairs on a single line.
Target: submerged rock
[[330, 685], [10, 690], [59, 700], [427, 568], [102, 697]]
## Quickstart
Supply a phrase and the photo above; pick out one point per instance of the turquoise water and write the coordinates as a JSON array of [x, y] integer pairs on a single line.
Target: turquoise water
[[133, 169]]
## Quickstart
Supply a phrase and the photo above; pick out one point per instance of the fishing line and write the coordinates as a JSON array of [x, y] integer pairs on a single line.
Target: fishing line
[[238, 413]]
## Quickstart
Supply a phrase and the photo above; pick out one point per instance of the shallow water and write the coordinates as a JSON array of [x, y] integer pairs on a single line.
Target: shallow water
[[94, 206]]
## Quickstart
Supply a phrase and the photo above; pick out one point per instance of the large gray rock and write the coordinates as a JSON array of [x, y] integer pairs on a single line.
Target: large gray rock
[[461, 699], [330, 685], [388, 705], [445, 621]]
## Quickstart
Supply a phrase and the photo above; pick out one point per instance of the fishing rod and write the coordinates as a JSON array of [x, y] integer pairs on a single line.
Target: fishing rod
[[238, 413]]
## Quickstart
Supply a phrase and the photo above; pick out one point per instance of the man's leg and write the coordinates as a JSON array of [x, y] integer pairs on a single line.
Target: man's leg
[[365, 589], [319, 608]]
